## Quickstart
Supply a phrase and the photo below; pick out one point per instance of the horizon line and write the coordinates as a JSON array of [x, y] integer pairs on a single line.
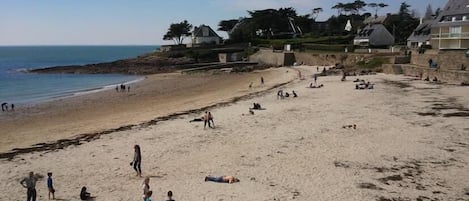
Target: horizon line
[[44, 45]]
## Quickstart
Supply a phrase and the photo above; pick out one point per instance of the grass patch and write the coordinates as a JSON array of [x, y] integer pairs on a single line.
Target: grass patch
[[375, 62]]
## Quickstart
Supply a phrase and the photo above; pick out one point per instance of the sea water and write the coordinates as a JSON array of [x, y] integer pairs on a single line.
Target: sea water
[[19, 88]]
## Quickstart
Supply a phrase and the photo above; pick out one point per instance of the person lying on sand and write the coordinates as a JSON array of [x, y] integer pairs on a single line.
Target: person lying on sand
[[197, 119], [314, 86], [354, 126], [222, 179]]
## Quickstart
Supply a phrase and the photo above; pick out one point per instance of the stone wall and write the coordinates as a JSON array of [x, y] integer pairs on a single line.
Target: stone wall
[[449, 61], [274, 58], [448, 76], [349, 59]]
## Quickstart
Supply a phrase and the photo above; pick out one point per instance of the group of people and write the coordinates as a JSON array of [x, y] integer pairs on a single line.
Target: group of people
[[122, 88], [207, 119], [256, 106], [147, 193], [362, 84], [5, 107], [281, 95], [315, 86], [30, 184], [262, 82], [435, 79]]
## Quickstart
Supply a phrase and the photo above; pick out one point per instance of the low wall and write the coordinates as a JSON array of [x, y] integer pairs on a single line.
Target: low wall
[[269, 57], [445, 61], [314, 59], [449, 76]]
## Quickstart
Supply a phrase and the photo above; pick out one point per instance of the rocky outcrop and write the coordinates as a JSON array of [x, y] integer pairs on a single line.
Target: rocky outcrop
[[149, 64]]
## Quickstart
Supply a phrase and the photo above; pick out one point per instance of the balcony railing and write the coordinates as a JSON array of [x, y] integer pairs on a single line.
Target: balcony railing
[[462, 35]]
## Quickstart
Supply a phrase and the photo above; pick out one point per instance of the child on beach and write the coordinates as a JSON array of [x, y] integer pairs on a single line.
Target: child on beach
[[170, 196], [149, 193], [146, 188], [50, 185], [85, 195]]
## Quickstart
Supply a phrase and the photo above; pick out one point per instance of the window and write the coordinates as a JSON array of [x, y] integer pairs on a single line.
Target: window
[[455, 31]]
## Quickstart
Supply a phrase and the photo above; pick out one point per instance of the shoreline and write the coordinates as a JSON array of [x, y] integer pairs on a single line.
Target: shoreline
[[104, 109], [74, 93], [87, 137]]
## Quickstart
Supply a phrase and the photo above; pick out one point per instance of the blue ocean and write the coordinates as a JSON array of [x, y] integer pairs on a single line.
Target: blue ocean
[[25, 88]]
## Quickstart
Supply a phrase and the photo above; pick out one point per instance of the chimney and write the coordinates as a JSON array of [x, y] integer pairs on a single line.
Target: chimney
[[421, 20]]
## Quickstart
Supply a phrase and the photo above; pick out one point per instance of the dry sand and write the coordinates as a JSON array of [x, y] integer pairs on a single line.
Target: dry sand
[[411, 143]]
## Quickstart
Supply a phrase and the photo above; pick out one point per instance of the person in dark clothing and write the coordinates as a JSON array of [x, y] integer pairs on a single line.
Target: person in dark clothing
[[30, 184], [294, 94], [206, 121], [210, 120], [170, 196], [84, 195], [137, 162]]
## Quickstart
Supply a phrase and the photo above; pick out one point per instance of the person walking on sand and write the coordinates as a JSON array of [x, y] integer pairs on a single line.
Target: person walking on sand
[[12, 107], [137, 162], [210, 119], [146, 188], [50, 185], [30, 184], [315, 79], [206, 120], [262, 80]]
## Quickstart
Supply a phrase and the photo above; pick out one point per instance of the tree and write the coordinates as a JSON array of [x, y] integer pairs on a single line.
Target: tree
[[404, 9], [358, 5], [178, 31], [377, 6], [428, 13], [316, 12], [227, 25], [437, 12], [340, 8], [402, 24]]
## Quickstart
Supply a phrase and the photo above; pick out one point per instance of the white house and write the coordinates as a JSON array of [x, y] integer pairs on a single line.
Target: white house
[[204, 35]]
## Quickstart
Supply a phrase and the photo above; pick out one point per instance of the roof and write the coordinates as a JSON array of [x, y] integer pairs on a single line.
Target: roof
[[204, 31], [422, 32], [376, 35], [375, 20], [369, 30], [453, 13]]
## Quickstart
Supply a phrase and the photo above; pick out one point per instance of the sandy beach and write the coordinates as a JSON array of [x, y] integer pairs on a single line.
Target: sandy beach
[[411, 140]]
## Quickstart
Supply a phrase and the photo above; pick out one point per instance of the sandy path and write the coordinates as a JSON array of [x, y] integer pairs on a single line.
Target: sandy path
[[408, 145]]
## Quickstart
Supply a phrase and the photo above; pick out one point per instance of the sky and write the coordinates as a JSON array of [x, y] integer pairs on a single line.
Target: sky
[[140, 22]]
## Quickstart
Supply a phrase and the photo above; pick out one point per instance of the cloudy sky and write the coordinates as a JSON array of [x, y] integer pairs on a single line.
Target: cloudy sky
[[139, 22]]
